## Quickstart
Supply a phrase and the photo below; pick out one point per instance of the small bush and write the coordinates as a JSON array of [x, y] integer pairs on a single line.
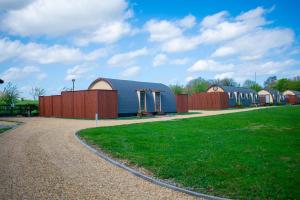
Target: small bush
[[34, 113]]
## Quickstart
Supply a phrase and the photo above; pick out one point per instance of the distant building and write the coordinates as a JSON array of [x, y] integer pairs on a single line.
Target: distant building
[[292, 96], [271, 96], [237, 95]]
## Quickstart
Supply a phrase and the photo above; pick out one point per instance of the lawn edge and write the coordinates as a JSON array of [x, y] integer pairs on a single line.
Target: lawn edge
[[143, 176], [18, 123]]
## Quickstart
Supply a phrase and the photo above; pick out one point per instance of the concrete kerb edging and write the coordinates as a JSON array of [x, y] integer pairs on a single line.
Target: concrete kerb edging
[[143, 176]]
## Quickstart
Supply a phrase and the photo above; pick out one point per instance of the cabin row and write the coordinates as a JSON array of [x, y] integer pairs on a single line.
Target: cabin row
[[111, 98]]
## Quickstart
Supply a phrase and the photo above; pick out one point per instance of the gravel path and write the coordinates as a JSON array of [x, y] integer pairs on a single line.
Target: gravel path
[[41, 159]]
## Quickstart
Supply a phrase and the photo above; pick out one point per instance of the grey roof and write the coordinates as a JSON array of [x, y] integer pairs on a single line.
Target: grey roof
[[127, 95], [272, 91], [234, 89], [295, 92]]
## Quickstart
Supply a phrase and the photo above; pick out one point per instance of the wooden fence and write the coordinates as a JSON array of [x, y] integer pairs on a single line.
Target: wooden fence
[[292, 99], [182, 104], [80, 104], [212, 100]]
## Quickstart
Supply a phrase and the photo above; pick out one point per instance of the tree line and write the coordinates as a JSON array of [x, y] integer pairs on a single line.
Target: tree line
[[200, 84]]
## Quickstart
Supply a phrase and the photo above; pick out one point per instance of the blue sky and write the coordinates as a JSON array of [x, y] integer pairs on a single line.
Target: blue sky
[[46, 43]]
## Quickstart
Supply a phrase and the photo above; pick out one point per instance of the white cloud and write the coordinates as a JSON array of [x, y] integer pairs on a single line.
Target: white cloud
[[107, 34], [159, 59], [77, 72], [13, 4], [209, 66], [124, 59], [19, 73], [56, 17], [189, 78], [162, 30], [214, 29], [188, 21], [224, 75], [257, 44], [180, 44], [213, 20], [43, 54], [217, 28], [180, 61], [130, 72]]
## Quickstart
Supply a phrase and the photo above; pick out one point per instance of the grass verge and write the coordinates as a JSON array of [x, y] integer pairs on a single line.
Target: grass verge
[[247, 155]]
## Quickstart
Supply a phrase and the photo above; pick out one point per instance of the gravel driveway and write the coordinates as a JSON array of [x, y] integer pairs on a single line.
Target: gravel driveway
[[41, 159]]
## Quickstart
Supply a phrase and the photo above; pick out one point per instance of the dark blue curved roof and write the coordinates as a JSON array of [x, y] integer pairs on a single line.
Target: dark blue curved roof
[[234, 89], [127, 96], [273, 91]]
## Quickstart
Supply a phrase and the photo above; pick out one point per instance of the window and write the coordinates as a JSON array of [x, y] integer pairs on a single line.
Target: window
[[231, 95], [242, 95], [157, 102], [142, 101]]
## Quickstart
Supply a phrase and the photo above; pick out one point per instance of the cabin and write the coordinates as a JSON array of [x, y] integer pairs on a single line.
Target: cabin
[[135, 97], [238, 96], [292, 96], [271, 97]]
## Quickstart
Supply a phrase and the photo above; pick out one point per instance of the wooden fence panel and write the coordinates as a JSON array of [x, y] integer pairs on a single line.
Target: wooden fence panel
[[57, 106], [107, 104], [48, 106], [67, 104], [291, 99], [182, 103], [213, 100], [79, 104], [91, 103], [41, 106]]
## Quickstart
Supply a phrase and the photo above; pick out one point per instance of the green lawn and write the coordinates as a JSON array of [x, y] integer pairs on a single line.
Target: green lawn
[[3, 129], [248, 155]]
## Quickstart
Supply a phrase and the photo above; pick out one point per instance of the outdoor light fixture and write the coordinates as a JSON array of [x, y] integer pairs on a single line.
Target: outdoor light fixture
[[73, 80]]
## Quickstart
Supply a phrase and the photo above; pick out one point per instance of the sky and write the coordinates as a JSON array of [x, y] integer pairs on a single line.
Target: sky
[[47, 43]]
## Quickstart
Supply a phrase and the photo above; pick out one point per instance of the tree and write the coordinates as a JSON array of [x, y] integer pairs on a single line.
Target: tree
[[224, 82], [36, 92], [270, 82], [197, 85], [177, 89], [10, 94], [282, 84], [252, 85]]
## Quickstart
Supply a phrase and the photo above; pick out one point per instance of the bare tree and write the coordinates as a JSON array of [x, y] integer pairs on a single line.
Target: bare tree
[[36, 92]]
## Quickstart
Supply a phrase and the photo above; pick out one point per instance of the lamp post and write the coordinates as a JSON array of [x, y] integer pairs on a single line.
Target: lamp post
[[73, 81]]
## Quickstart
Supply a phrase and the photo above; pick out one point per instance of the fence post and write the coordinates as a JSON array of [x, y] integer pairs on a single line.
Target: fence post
[[96, 118]]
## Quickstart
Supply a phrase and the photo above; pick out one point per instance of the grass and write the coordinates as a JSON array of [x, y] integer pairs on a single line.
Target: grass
[[247, 155], [4, 129], [27, 102]]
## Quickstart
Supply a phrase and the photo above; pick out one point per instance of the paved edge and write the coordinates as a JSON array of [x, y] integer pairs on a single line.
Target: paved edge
[[143, 176]]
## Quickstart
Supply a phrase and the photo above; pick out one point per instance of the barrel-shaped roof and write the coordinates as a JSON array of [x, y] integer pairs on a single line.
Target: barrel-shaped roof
[[234, 89], [127, 94]]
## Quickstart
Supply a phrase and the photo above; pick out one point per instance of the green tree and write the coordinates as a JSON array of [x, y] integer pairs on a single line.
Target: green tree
[[10, 94], [270, 82], [224, 82], [252, 85], [294, 84], [282, 84], [197, 85], [177, 89]]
